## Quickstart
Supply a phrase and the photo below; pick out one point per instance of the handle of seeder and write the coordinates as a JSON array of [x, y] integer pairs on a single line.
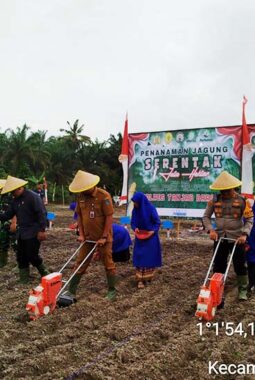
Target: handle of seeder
[[68, 261], [214, 255], [81, 264], [77, 250]]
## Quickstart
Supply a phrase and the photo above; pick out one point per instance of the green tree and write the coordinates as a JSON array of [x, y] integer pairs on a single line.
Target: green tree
[[39, 147], [101, 158], [20, 153], [3, 150], [74, 136], [61, 161]]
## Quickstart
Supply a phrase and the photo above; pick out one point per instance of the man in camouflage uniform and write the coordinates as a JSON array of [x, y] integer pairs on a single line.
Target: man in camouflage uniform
[[7, 230], [234, 220]]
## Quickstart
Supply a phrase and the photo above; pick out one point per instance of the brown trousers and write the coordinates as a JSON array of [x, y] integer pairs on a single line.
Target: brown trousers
[[105, 253]]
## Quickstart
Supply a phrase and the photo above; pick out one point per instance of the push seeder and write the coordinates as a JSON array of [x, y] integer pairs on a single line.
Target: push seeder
[[212, 290], [45, 297]]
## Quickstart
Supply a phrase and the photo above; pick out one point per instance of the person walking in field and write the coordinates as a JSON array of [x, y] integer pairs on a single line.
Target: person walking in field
[[31, 219], [145, 223], [7, 229], [40, 191], [95, 215], [234, 219]]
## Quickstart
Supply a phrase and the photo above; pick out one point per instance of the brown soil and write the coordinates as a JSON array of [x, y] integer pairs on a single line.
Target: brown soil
[[145, 334]]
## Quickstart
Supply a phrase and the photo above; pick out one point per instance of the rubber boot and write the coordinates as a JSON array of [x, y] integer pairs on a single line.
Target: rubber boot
[[249, 290], [24, 275], [242, 282], [111, 280], [15, 270], [42, 270], [3, 258], [73, 285], [67, 298], [222, 304]]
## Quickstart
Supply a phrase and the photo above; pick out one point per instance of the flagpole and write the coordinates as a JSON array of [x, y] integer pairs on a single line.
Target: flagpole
[[127, 176], [123, 159], [243, 123], [246, 158]]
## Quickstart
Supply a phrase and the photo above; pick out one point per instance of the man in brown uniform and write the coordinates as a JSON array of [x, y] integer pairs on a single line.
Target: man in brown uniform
[[95, 211], [234, 219]]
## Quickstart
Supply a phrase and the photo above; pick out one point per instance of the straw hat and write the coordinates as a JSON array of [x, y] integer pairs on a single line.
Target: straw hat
[[83, 181], [225, 181], [12, 183], [2, 183]]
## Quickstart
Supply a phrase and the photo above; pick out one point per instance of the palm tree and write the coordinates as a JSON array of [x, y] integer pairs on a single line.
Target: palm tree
[[38, 142], [3, 148], [74, 135], [21, 152], [61, 161], [101, 158]]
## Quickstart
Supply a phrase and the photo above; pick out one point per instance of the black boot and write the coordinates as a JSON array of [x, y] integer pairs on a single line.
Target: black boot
[[24, 275], [67, 298], [74, 284], [3, 258], [42, 270]]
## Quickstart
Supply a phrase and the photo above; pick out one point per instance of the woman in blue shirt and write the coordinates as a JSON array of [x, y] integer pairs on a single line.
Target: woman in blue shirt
[[147, 250]]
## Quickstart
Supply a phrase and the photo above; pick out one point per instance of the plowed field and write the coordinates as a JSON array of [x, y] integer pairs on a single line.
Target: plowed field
[[145, 334]]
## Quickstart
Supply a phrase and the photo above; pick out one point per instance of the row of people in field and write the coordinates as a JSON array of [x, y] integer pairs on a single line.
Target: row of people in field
[[233, 216], [95, 217]]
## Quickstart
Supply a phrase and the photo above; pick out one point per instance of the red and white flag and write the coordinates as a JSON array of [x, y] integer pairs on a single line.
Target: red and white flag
[[247, 153], [123, 158]]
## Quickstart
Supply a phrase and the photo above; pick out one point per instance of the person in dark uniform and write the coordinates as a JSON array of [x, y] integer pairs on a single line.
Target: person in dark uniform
[[40, 191], [95, 214], [31, 219], [234, 219]]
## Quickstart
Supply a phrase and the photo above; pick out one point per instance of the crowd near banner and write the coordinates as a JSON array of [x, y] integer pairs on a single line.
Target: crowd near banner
[[175, 168]]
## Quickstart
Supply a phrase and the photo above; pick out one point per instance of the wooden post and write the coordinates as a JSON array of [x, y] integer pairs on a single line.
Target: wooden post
[[53, 192], [63, 195], [178, 228]]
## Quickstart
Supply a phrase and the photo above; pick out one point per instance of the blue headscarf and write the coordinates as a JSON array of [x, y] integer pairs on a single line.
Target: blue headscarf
[[121, 238], [147, 253], [145, 216]]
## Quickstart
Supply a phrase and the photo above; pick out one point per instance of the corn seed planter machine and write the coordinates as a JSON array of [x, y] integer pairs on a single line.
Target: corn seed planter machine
[[49, 294], [212, 290]]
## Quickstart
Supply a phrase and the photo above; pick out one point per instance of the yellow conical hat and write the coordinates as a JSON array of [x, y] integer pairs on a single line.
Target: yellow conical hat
[[83, 181], [12, 183], [2, 183], [225, 181]]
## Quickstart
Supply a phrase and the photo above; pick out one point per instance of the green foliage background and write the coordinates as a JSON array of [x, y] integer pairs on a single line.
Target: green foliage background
[[30, 155]]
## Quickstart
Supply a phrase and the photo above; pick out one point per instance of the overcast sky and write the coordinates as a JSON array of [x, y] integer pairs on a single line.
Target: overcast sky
[[170, 64]]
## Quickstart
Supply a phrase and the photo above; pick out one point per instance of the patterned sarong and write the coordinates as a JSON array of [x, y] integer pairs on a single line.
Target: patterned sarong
[[144, 274]]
